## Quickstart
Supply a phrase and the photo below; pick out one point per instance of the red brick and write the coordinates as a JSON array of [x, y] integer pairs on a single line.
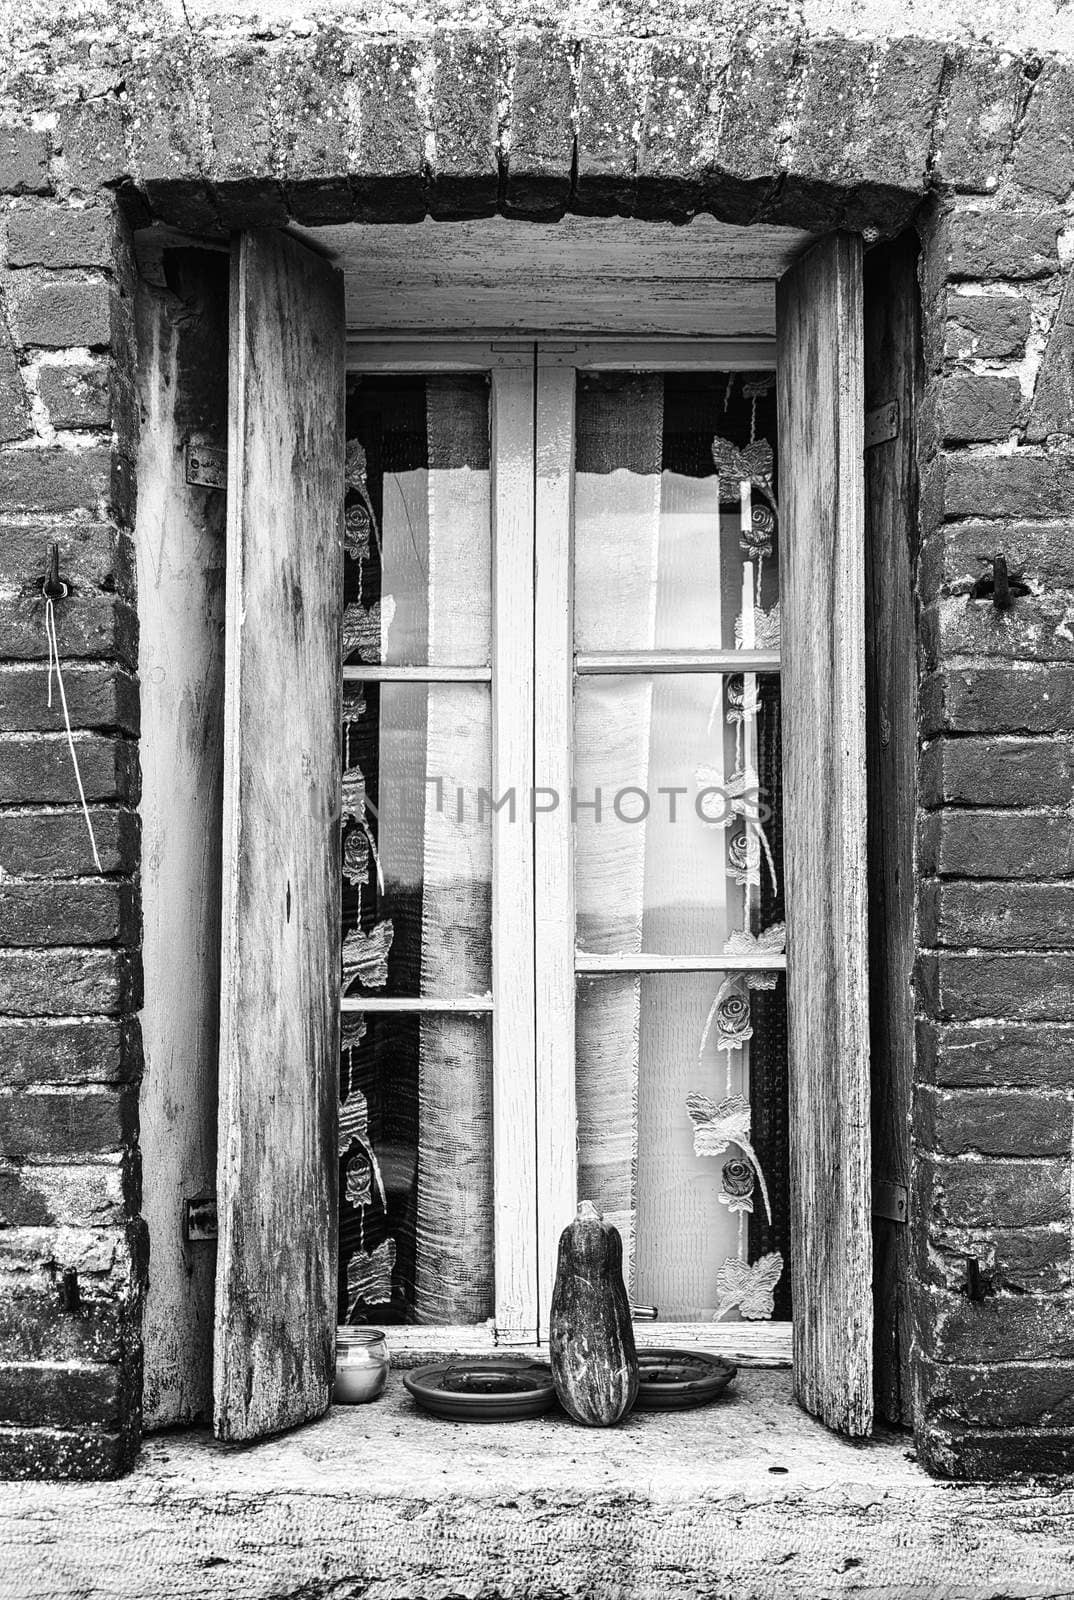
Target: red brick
[[997, 1193], [1021, 1260], [987, 245], [76, 396], [65, 982], [1003, 916], [978, 124], [93, 555], [993, 1122], [68, 1126], [609, 102], [91, 139], [677, 125], [996, 1055], [97, 697], [1044, 155], [67, 1194], [34, 914], [35, 1327], [87, 626], [960, 987], [53, 479], [57, 313], [958, 554], [64, 1395], [1009, 486], [1004, 771], [66, 1051], [23, 161], [976, 1453], [1004, 1327], [998, 844], [986, 326], [37, 769], [1005, 699], [542, 144], [1004, 1396], [81, 1454], [52, 235], [56, 844], [1052, 411], [390, 183], [760, 82], [978, 407], [465, 174]]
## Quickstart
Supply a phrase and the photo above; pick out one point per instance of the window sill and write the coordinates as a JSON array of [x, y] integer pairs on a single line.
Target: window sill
[[748, 1496]]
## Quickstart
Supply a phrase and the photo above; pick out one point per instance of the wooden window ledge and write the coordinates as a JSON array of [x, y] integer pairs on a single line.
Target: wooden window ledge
[[748, 1496]]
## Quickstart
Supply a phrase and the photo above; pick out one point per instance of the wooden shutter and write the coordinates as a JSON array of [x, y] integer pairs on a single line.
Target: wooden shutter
[[279, 1024], [821, 420]]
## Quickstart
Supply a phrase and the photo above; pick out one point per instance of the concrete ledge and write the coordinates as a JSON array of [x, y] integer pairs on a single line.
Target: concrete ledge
[[745, 1498]]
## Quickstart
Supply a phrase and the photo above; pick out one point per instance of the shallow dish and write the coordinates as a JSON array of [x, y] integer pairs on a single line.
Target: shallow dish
[[672, 1380], [482, 1390]]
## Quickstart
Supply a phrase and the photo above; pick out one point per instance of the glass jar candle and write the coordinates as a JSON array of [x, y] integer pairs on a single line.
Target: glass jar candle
[[361, 1365]]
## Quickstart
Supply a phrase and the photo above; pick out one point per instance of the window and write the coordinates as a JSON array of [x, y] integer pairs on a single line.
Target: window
[[561, 647], [561, 689]]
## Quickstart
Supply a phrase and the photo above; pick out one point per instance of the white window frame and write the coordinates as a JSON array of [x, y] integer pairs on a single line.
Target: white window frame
[[532, 676]]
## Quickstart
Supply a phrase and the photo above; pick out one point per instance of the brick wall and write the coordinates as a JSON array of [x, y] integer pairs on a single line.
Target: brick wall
[[71, 1253], [210, 128]]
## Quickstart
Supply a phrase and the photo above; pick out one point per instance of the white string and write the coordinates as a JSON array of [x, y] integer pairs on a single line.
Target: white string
[[54, 665]]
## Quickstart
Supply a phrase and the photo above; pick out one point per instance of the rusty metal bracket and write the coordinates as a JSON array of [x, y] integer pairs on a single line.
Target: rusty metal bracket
[[206, 466], [199, 1218], [882, 424], [890, 1200]]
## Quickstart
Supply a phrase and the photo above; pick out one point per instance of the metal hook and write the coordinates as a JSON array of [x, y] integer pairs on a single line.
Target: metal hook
[[979, 1285], [53, 588], [1001, 589]]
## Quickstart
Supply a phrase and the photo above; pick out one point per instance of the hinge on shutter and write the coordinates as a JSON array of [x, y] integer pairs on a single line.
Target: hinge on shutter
[[890, 1201], [206, 466], [199, 1218], [882, 423]]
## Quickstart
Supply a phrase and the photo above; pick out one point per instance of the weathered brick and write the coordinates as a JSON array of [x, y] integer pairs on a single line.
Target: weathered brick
[[93, 555], [756, 96], [14, 405], [75, 395], [55, 844], [978, 1453], [41, 1393], [1044, 155], [87, 627], [391, 154], [542, 143], [97, 697], [318, 129], [34, 1326], [1052, 411], [34, 914], [977, 129], [65, 1051], [37, 769], [239, 89], [821, 153], [958, 554], [168, 138], [77, 1454], [1006, 1395], [678, 128], [53, 235], [1023, 1261], [996, 1055], [610, 89], [1037, 627], [68, 1126], [996, 1193], [465, 174], [993, 1122], [1021, 485], [1004, 1327], [23, 161], [987, 245], [959, 986], [1004, 916], [997, 772], [987, 326], [54, 479], [62, 982], [998, 844], [56, 313], [1006, 699], [65, 1194], [90, 136], [978, 407]]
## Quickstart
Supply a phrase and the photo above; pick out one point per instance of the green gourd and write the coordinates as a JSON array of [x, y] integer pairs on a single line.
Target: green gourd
[[591, 1335]]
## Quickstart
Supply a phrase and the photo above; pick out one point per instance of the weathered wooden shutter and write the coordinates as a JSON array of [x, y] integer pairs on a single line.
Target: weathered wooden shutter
[[821, 420], [276, 1176]]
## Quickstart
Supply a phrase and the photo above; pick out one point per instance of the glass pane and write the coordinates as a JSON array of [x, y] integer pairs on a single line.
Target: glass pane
[[671, 552], [678, 830], [681, 1085], [415, 1169], [417, 581], [417, 840]]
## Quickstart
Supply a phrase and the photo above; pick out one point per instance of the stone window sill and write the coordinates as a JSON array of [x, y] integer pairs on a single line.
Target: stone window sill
[[747, 1497]]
